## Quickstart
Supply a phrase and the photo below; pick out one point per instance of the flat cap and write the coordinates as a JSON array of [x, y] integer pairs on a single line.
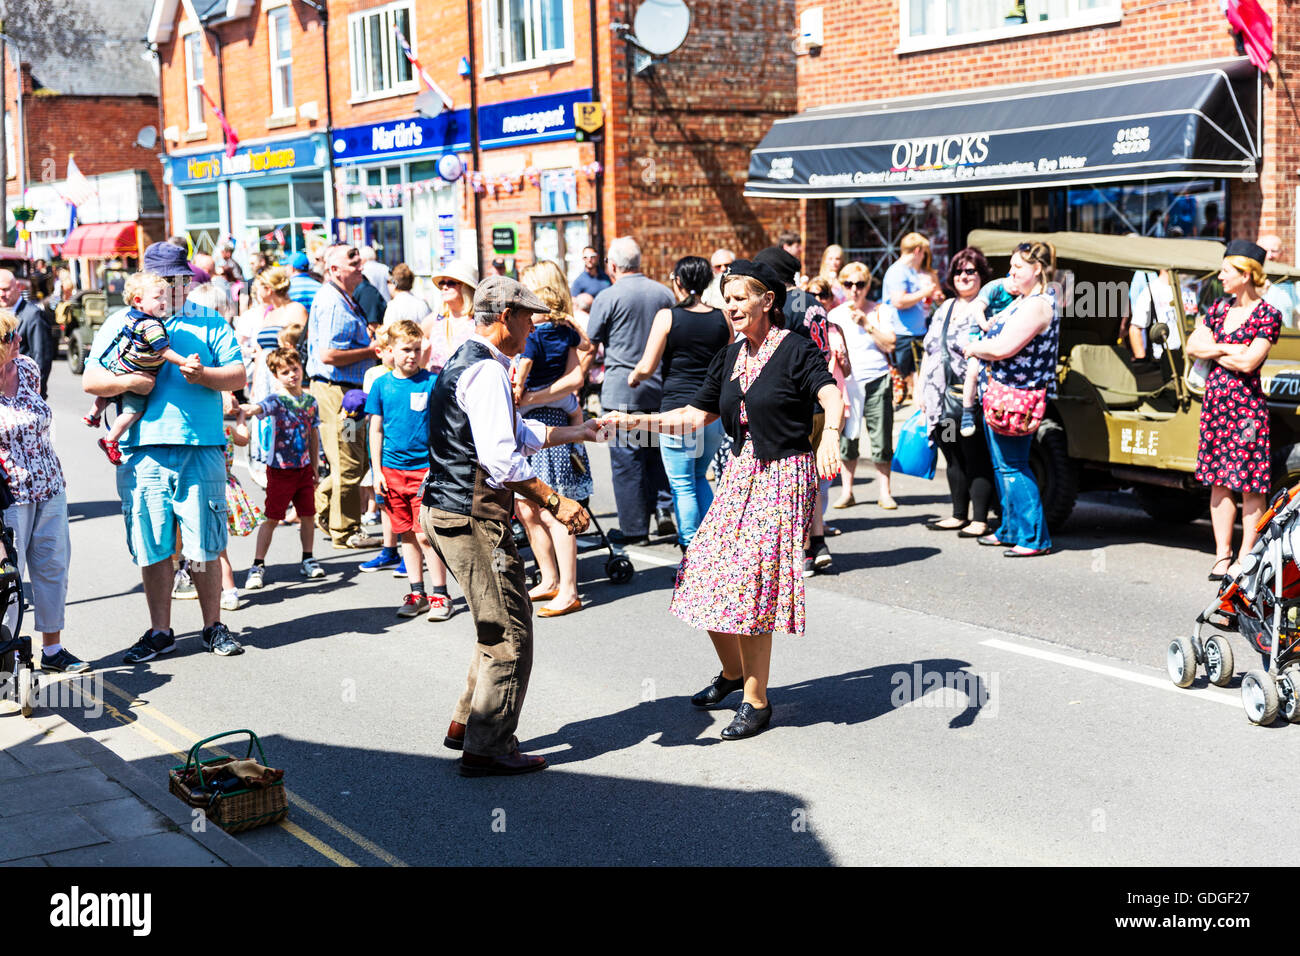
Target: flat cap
[[495, 294]]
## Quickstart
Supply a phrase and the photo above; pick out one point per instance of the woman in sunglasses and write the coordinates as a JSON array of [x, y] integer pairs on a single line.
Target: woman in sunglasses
[[968, 466], [452, 319], [39, 514], [870, 338]]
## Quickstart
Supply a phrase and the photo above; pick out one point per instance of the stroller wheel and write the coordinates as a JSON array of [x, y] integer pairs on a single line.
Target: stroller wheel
[[534, 578], [1218, 661], [1259, 697], [1289, 687], [619, 569], [1180, 659]]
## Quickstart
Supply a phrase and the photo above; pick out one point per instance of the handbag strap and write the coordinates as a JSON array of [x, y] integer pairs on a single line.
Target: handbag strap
[[947, 360]]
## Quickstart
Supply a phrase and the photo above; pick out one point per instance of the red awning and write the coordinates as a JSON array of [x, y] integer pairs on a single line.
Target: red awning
[[101, 240]]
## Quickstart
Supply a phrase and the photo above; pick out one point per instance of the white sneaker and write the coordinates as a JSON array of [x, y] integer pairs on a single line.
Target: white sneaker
[[310, 569], [439, 607], [255, 579], [230, 600], [183, 588]]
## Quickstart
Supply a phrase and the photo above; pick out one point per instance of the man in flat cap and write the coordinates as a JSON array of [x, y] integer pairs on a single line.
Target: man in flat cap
[[477, 463]]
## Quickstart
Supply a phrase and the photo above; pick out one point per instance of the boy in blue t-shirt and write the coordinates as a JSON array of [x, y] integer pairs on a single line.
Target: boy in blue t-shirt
[[398, 406]]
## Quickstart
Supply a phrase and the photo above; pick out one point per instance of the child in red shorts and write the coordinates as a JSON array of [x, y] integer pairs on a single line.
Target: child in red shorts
[[398, 406], [291, 462]]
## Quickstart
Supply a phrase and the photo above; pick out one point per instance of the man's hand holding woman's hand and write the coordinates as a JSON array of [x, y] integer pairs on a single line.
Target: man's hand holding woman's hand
[[572, 515]]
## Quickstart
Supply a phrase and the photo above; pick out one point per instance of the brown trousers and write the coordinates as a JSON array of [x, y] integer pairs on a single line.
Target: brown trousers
[[343, 440], [482, 557]]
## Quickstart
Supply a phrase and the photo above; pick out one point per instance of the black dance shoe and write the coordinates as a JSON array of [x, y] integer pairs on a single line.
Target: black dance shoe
[[749, 720], [717, 692]]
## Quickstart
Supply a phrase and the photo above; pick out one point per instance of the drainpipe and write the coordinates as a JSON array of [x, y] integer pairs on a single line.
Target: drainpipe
[[473, 137], [598, 240], [322, 11]]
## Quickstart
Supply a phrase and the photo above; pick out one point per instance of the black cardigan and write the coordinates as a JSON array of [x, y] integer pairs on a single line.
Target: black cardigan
[[780, 404]]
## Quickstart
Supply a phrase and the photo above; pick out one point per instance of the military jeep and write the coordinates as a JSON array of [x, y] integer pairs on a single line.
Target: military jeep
[[1117, 423], [80, 317]]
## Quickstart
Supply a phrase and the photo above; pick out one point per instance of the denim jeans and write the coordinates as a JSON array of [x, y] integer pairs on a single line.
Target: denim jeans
[[686, 461], [1023, 521]]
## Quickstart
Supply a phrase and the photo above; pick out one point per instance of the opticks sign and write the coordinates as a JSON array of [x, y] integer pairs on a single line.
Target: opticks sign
[[1163, 126]]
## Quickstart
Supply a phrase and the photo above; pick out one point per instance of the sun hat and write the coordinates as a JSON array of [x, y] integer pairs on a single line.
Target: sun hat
[[165, 259], [462, 272]]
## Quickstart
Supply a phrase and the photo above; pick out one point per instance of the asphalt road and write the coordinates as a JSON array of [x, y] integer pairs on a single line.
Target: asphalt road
[[947, 705]]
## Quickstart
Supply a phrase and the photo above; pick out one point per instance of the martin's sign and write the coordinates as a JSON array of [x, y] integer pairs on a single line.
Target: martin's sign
[[421, 135]]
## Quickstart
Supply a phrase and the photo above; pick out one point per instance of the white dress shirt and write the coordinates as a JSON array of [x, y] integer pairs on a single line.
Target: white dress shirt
[[502, 439]]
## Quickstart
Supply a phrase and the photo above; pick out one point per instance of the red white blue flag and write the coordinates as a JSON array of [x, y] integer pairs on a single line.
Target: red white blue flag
[[428, 81]]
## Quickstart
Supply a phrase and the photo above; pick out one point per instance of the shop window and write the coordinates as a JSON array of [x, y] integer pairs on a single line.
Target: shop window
[[1176, 209], [527, 33], [281, 44], [561, 240], [379, 65], [871, 229], [559, 190], [309, 199], [267, 202], [926, 24], [194, 79], [203, 219], [280, 218]]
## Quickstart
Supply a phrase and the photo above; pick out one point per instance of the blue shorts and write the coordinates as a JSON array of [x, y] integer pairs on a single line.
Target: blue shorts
[[166, 486]]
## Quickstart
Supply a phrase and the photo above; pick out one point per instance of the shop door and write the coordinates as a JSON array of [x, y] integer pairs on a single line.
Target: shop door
[[384, 235]]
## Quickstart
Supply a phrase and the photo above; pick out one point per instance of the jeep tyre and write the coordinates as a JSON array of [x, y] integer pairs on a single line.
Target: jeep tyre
[[1055, 471], [76, 352], [1172, 505]]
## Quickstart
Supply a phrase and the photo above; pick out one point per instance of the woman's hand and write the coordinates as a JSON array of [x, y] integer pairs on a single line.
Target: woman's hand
[[635, 378], [620, 421], [828, 453]]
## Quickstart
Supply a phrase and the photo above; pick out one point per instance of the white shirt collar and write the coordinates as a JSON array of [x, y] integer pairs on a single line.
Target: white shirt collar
[[496, 352]]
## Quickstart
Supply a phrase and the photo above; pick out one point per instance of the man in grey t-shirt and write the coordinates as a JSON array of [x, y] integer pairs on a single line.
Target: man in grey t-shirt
[[621, 318]]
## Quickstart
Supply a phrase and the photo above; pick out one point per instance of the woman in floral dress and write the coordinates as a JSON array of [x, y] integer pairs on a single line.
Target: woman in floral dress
[[1238, 331], [742, 575], [39, 514]]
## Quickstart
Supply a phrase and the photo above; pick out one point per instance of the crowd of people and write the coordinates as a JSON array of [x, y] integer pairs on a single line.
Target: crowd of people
[[731, 397]]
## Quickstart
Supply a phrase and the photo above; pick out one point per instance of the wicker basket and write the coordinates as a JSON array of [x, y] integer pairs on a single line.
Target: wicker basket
[[235, 810]]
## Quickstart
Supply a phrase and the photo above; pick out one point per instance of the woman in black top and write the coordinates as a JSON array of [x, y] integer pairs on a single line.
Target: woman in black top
[[742, 577], [686, 337]]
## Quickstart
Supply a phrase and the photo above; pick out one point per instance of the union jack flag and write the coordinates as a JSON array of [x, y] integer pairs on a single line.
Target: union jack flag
[[428, 81]]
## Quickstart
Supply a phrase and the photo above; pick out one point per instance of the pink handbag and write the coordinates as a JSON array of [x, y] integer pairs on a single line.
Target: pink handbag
[[1014, 412]]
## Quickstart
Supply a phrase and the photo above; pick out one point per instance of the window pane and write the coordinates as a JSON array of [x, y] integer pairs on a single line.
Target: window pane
[[202, 209], [404, 69], [517, 32], [283, 38], [359, 58], [426, 169], [552, 25], [375, 50], [269, 203], [309, 199]]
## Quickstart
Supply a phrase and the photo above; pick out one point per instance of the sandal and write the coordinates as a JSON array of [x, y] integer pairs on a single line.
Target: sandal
[[1226, 562], [92, 421], [111, 450]]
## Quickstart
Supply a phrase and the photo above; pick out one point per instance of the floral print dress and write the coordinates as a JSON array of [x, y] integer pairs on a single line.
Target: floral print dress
[[1234, 448], [743, 571]]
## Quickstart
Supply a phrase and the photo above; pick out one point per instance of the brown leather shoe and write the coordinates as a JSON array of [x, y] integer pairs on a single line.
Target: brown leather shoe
[[476, 765], [455, 739]]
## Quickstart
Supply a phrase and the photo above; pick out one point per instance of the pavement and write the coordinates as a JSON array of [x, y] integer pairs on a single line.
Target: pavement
[[67, 800]]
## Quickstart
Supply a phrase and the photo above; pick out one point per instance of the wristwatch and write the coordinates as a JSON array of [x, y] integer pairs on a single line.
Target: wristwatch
[[552, 502]]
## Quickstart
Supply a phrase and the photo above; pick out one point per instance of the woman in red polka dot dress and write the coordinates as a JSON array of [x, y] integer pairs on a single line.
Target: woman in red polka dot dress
[[1236, 336]]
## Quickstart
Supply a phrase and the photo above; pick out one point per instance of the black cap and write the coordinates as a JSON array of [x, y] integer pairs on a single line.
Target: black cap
[[1244, 247], [764, 274], [167, 260], [782, 263]]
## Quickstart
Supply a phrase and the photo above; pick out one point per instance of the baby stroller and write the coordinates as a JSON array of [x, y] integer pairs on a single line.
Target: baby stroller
[[17, 676], [618, 566], [1262, 604]]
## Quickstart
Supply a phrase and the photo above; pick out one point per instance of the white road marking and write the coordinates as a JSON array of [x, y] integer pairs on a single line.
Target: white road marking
[[651, 558], [1214, 694]]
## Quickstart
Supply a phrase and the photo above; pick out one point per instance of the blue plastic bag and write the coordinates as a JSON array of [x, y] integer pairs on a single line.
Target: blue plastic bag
[[914, 454]]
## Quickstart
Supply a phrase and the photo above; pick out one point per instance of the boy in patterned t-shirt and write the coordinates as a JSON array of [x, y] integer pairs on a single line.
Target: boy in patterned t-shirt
[[291, 463]]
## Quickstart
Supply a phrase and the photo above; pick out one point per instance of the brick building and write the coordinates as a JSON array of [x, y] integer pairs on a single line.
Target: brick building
[[356, 159], [1154, 121], [89, 91]]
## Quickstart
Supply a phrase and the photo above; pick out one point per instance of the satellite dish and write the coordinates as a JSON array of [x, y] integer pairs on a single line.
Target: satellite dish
[[660, 26], [146, 138]]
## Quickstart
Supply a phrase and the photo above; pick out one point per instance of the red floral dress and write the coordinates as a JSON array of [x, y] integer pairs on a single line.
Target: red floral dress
[[1234, 449]]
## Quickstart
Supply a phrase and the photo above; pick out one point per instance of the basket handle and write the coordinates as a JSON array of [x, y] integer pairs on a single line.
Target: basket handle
[[252, 740]]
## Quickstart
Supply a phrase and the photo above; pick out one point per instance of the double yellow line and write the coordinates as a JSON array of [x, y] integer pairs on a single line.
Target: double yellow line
[[135, 706]]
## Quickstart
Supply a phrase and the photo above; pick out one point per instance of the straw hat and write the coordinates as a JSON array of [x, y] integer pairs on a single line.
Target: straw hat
[[462, 272]]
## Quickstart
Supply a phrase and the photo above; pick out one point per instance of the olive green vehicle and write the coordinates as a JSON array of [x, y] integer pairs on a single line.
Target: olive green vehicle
[[1116, 423], [80, 317]]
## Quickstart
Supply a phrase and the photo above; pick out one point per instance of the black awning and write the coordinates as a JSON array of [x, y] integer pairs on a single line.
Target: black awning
[[1196, 120]]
